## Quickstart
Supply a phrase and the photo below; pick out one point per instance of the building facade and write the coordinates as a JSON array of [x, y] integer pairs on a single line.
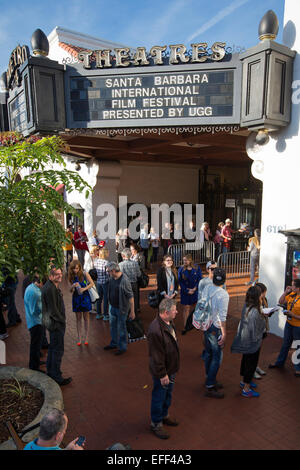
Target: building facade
[[171, 125]]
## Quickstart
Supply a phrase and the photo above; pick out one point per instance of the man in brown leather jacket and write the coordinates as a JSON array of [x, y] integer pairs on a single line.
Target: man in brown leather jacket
[[164, 363]]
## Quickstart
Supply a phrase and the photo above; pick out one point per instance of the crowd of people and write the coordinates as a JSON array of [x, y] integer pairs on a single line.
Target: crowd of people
[[118, 301]]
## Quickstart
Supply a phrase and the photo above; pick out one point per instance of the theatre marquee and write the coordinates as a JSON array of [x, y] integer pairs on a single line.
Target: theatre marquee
[[154, 96]]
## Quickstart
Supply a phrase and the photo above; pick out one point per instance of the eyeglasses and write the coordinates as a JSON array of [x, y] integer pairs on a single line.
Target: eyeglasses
[[211, 269]]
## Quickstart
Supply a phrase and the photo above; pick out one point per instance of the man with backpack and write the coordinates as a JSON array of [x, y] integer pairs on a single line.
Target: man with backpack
[[215, 335]]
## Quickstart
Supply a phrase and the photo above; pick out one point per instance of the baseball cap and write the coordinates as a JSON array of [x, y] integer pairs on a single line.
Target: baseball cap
[[208, 264], [219, 277], [101, 244]]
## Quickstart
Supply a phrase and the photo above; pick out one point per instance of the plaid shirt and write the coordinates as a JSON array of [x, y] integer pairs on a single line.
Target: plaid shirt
[[101, 267], [131, 269]]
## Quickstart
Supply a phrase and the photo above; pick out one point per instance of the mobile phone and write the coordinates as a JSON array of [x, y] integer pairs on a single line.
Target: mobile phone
[[80, 440]]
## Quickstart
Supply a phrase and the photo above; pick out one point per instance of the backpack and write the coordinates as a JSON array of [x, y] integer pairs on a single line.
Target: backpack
[[202, 317], [153, 299]]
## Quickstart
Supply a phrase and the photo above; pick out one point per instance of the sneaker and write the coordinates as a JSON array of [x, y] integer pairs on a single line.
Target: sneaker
[[250, 394], [256, 375], [260, 371], [214, 393], [98, 317], [106, 318], [159, 432], [169, 421], [252, 385], [4, 336]]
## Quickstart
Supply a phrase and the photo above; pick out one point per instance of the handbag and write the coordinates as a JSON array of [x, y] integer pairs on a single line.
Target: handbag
[[135, 330], [93, 294], [143, 280], [93, 274], [153, 299]]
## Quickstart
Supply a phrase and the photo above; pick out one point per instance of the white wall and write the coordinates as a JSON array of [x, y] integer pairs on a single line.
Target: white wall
[[277, 164], [159, 184]]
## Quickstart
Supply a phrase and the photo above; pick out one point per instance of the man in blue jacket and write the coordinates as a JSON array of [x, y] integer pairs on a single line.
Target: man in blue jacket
[[33, 313]]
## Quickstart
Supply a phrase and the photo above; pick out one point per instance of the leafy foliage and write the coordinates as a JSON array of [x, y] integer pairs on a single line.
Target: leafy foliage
[[30, 233]]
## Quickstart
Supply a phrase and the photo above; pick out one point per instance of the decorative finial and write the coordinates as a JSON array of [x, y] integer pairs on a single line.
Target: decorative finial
[[268, 26], [262, 137], [39, 43]]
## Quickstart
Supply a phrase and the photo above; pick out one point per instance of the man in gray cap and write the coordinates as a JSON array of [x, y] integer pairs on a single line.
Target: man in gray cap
[[121, 301], [210, 267], [215, 336]]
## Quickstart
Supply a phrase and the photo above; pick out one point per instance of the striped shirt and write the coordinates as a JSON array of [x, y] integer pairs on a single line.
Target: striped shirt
[[131, 269]]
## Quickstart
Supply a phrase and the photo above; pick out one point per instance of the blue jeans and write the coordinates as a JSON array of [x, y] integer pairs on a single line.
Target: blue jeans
[[118, 330], [161, 399], [213, 355], [103, 295], [291, 333]]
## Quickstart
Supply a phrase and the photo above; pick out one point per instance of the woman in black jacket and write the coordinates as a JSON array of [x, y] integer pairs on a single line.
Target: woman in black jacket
[[167, 279]]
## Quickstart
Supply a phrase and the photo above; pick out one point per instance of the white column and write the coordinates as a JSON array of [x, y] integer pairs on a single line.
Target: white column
[[277, 165], [106, 191]]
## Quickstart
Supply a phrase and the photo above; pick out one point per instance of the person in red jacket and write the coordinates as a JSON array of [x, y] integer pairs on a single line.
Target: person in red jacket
[[226, 235], [80, 244]]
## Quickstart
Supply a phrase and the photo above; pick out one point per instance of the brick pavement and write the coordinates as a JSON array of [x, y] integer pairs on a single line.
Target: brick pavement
[[109, 398]]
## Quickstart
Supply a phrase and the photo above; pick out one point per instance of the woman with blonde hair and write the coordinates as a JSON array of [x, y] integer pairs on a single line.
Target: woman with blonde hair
[[80, 282], [95, 239], [189, 277]]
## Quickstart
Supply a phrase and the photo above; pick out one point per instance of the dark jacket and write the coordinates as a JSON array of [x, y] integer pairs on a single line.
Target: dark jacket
[[53, 307], [162, 282], [125, 294], [163, 349]]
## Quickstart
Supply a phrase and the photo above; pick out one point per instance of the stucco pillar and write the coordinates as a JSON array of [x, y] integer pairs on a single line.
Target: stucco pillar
[[106, 191], [277, 165]]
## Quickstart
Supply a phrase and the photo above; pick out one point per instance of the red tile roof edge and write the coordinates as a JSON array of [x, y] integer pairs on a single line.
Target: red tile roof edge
[[71, 49]]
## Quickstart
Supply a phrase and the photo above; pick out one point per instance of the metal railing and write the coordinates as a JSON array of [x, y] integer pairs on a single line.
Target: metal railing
[[235, 263], [201, 252]]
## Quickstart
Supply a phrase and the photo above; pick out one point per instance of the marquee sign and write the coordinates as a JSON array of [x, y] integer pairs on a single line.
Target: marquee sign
[[18, 56], [158, 55], [197, 96]]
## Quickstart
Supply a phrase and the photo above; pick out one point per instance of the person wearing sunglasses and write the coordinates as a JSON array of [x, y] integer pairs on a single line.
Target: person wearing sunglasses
[[210, 267]]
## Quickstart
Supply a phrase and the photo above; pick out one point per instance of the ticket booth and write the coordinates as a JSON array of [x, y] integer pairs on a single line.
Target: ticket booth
[[292, 268]]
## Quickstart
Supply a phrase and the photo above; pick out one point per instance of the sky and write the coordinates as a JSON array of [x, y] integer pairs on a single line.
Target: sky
[[137, 23]]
